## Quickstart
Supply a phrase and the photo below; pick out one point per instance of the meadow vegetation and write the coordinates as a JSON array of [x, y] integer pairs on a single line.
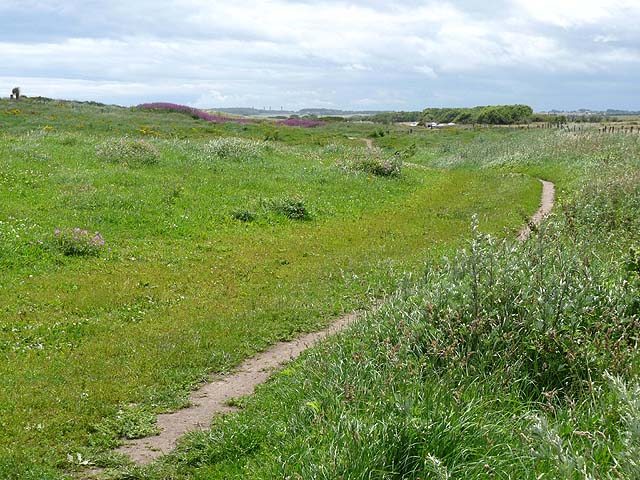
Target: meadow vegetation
[[142, 250], [503, 360]]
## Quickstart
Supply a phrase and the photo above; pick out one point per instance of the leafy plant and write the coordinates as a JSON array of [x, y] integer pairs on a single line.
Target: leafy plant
[[129, 422]]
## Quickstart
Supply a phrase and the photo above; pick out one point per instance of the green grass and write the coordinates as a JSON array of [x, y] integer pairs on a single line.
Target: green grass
[[182, 286], [504, 360]]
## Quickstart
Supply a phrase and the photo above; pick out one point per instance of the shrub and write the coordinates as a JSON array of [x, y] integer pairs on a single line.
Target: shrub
[[272, 135], [78, 242], [128, 151]]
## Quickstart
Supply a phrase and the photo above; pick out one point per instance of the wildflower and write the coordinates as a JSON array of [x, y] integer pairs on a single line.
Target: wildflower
[[173, 107], [297, 122], [79, 242]]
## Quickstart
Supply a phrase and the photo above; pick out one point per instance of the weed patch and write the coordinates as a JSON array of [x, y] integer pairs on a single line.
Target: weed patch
[[293, 208], [78, 242], [127, 151], [373, 161], [237, 149]]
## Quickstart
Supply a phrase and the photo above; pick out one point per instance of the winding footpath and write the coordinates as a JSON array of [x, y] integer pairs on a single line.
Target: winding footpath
[[212, 398], [546, 204]]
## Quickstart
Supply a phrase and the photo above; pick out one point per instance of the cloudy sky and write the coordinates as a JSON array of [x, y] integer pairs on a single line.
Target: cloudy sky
[[379, 54]]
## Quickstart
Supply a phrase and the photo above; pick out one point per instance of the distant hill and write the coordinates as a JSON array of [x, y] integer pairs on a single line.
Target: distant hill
[[319, 112], [250, 111], [329, 111]]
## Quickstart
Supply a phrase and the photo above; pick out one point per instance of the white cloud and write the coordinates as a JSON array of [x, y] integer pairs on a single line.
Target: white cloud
[[605, 39], [336, 52], [426, 70], [568, 13]]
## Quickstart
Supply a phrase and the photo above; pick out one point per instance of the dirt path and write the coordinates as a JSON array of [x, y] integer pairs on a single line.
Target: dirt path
[[546, 204], [212, 398], [367, 141]]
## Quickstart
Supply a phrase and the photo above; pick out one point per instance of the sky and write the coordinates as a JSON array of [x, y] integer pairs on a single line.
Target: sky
[[373, 55]]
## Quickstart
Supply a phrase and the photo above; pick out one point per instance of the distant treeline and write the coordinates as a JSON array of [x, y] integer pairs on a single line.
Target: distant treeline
[[492, 115], [396, 117]]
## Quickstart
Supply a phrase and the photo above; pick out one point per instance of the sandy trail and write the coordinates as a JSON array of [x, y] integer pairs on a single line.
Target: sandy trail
[[212, 398], [367, 141], [546, 204]]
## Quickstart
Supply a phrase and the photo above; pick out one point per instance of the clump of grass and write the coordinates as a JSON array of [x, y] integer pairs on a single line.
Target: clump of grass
[[129, 422], [78, 242], [294, 208], [376, 165], [69, 140], [243, 215], [127, 151], [232, 148], [373, 161]]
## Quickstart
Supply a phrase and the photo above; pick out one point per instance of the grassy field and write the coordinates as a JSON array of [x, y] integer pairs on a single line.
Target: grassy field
[[141, 251], [503, 360]]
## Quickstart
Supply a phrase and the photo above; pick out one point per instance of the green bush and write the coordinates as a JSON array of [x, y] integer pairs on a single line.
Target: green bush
[[495, 115], [243, 215]]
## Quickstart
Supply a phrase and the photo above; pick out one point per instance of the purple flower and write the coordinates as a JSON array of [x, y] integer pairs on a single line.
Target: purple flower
[[57, 232], [173, 107], [299, 122]]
